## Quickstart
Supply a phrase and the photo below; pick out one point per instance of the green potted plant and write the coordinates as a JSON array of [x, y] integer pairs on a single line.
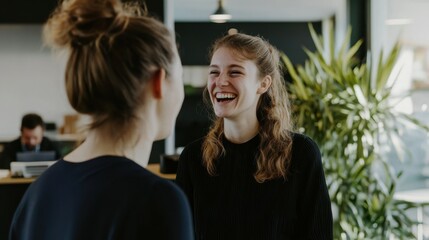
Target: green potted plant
[[347, 110]]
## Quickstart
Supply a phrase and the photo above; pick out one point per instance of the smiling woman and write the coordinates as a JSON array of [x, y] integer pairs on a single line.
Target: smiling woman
[[252, 177]]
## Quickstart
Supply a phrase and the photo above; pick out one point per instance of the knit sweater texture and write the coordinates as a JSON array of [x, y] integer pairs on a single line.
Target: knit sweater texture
[[233, 205]]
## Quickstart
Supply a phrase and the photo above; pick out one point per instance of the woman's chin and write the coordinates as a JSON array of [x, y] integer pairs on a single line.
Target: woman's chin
[[163, 134], [222, 114]]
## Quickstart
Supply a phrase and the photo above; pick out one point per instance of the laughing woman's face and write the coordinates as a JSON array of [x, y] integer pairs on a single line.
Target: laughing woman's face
[[233, 84]]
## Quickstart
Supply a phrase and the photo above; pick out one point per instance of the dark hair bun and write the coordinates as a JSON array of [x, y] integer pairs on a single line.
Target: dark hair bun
[[78, 22]]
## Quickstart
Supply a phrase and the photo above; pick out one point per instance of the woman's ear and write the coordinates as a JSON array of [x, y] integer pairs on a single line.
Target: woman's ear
[[265, 84], [157, 80]]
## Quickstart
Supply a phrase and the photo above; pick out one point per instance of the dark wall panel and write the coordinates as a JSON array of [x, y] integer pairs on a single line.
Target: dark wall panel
[[38, 11], [26, 11], [193, 121], [195, 38], [359, 19]]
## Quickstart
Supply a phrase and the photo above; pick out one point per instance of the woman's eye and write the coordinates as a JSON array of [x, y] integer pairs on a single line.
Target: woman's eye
[[235, 73], [213, 73]]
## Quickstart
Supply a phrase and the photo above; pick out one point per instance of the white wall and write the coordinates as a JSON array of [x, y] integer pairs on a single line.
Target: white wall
[[31, 79], [414, 164], [416, 12]]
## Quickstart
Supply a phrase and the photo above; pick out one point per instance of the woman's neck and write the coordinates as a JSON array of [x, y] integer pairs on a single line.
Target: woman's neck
[[241, 130], [101, 143]]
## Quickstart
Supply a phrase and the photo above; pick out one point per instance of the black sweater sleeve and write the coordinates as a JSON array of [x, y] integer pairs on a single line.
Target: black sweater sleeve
[[171, 215], [315, 219], [183, 176]]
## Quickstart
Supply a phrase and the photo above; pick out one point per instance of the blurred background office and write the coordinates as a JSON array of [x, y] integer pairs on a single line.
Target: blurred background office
[[28, 70], [31, 77]]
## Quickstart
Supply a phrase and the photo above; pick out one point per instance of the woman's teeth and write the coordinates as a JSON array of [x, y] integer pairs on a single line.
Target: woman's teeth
[[220, 97]]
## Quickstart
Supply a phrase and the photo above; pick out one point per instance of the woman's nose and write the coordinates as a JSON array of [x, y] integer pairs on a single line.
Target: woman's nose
[[222, 80]]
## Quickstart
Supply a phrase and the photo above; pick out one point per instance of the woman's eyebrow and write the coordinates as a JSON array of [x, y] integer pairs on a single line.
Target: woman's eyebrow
[[235, 66], [229, 66]]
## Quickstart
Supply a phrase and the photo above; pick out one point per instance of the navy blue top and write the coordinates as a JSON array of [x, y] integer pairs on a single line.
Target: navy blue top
[[107, 197], [233, 205]]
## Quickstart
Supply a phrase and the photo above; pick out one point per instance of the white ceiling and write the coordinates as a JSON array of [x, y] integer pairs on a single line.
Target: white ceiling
[[414, 33], [256, 10]]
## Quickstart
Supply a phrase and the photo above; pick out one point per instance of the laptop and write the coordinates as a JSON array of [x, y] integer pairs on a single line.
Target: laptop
[[35, 156]]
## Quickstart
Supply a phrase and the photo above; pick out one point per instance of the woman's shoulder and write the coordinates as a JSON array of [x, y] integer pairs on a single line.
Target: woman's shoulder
[[192, 154], [300, 141], [193, 147], [168, 196], [305, 150], [165, 188]]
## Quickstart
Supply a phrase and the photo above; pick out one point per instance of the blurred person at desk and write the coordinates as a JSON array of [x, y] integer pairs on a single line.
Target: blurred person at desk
[[32, 139]]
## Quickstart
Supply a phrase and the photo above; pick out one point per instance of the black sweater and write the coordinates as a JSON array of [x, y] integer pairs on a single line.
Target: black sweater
[[106, 198], [232, 205]]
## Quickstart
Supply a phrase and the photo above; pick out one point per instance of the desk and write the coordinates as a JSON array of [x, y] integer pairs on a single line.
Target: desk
[[419, 197], [11, 192], [10, 180], [154, 168]]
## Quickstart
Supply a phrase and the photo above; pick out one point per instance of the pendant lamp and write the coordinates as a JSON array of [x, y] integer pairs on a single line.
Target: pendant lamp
[[220, 15]]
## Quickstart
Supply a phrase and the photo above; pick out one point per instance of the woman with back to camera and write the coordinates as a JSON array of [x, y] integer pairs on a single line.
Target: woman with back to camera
[[251, 177], [124, 71]]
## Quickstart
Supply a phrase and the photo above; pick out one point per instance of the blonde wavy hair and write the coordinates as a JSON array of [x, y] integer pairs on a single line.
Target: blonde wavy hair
[[273, 111]]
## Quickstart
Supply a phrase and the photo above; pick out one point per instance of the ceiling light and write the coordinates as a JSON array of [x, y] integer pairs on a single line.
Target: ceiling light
[[220, 15]]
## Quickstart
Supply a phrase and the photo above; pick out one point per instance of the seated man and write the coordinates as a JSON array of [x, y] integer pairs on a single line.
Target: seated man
[[31, 139]]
